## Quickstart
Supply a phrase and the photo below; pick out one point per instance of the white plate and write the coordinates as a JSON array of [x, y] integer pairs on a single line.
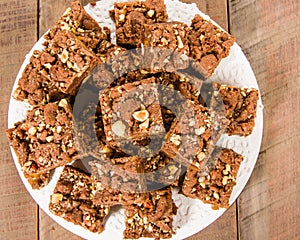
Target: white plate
[[193, 215]]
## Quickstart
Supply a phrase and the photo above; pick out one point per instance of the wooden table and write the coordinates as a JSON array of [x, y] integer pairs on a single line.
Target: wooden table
[[269, 33]]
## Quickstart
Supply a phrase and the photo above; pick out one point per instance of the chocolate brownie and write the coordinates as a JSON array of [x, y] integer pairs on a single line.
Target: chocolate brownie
[[82, 25], [131, 16], [118, 181], [161, 171], [72, 200], [35, 88], [189, 139], [70, 64], [240, 106], [208, 45], [44, 140], [216, 186], [165, 46], [132, 112], [152, 218]]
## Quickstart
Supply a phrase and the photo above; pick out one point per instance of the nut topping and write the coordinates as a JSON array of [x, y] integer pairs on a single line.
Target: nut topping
[[119, 128], [141, 116]]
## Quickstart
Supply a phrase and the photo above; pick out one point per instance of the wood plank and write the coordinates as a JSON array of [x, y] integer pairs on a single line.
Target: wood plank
[[269, 207], [18, 31], [53, 231]]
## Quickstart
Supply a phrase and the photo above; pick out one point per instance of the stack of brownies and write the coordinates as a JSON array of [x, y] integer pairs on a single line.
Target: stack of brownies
[[139, 142]]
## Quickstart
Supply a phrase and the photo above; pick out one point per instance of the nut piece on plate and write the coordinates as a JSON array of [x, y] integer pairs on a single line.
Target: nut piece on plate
[[82, 25], [189, 139], [71, 62], [131, 16], [215, 186], [72, 200], [240, 105], [44, 140], [118, 181], [132, 116], [152, 218], [208, 45], [35, 88]]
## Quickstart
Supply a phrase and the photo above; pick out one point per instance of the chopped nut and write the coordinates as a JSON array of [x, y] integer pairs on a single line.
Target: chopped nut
[[63, 103], [201, 37], [141, 116], [121, 18], [106, 149], [199, 131], [225, 180], [164, 41], [27, 164], [179, 42], [216, 195], [176, 139], [145, 124], [49, 138], [56, 198], [173, 169], [58, 129], [32, 130], [228, 168], [201, 156], [150, 13], [201, 179], [202, 184], [119, 128], [64, 56]]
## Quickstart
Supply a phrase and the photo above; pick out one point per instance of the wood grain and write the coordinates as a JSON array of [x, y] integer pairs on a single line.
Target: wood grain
[[18, 32], [269, 207]]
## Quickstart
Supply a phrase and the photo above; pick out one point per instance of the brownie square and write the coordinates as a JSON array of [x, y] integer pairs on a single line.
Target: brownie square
[[131, 113], [35, 88], [165, 46], [44, 140], [131, 16], [72, 200], [208, 45], [240, 106], [82, 25], [216, 186], [152, 218], [170, 35], [70, 64], [189, 140], [118, 181]]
